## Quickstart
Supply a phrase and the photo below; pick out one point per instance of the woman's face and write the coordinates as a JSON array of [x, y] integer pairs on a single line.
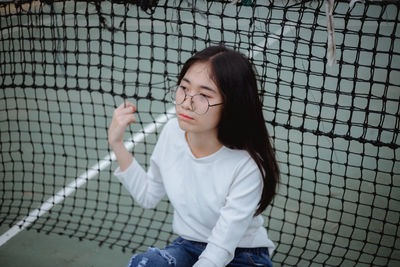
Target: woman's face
[[197, 81]]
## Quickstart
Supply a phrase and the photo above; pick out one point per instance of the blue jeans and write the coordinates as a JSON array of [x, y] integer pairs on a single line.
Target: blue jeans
[[185, 253]]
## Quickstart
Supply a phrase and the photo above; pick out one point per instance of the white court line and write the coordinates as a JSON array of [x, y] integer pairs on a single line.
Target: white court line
[[81, 180], [104, 163]]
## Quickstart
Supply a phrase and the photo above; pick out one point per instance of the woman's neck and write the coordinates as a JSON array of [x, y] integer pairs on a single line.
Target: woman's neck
[[202, 145]]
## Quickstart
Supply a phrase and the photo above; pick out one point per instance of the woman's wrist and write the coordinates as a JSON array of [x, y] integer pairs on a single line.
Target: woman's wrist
[[124, 157], [117, 146]]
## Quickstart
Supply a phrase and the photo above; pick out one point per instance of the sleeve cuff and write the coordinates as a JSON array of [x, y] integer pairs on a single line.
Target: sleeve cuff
[[203, 262], [218, 256], [121, 174]]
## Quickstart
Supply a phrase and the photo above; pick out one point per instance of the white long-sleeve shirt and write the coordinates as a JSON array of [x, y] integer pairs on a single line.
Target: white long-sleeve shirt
[[214, 197]]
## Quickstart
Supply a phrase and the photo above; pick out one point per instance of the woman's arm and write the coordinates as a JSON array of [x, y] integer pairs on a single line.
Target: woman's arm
[[235, 217], [123, 116], [146, 188]]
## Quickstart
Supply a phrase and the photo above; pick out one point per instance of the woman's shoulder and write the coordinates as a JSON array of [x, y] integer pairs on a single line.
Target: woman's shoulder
[[171, 127], [239, 157], [170, 130], [168, 137], [242, 165], [171, 124]]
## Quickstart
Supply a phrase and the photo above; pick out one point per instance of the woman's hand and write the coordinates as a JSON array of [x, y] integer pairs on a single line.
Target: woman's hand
[[122, 117]]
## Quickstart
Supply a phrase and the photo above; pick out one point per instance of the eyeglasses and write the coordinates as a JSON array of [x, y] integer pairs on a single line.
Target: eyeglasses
[[199, 103]]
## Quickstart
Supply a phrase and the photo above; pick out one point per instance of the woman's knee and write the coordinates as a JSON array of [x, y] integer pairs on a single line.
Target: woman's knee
[[153, 257]]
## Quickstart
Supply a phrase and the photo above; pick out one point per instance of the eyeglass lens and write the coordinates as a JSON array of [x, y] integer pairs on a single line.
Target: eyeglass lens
[[199, 102]]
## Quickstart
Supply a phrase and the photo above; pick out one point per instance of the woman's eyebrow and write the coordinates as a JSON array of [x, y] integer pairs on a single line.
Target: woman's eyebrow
[[201, 86]]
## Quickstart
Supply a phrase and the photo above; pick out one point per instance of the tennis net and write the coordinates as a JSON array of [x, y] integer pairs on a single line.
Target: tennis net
[[66, 65]]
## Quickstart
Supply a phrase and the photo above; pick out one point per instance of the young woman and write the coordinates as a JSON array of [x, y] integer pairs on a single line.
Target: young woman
[[215, 163]]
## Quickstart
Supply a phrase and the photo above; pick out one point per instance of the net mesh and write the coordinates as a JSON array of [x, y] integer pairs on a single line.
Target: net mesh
[[65, 66]]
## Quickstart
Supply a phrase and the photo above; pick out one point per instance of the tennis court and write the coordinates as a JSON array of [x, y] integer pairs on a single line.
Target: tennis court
[[65, 67]]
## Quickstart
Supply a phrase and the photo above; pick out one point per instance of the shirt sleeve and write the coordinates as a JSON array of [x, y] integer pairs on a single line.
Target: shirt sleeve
[[235, 216], [204, 262], [146, 188]]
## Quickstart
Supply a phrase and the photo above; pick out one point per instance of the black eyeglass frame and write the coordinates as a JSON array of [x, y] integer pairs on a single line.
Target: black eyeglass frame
[[172, 92]]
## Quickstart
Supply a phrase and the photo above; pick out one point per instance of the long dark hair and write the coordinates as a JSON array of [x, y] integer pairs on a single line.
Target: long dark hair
[[242, 124]]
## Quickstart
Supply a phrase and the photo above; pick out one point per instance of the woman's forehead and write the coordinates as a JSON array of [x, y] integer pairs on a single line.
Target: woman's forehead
[[200, 75]]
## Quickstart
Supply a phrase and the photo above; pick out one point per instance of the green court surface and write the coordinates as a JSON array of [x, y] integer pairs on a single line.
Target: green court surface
[[335, 134], [30, 248]]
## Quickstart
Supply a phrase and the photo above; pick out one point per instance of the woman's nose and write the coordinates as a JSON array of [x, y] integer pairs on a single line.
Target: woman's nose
[[187, 103]]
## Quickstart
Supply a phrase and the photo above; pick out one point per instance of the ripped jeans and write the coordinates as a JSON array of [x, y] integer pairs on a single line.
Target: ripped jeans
[[185, 253]]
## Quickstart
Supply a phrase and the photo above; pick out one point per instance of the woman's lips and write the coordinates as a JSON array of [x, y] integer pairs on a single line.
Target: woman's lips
[[185, 117]]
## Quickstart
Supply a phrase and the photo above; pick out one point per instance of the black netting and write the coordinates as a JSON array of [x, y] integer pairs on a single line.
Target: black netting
[[66, 65]]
